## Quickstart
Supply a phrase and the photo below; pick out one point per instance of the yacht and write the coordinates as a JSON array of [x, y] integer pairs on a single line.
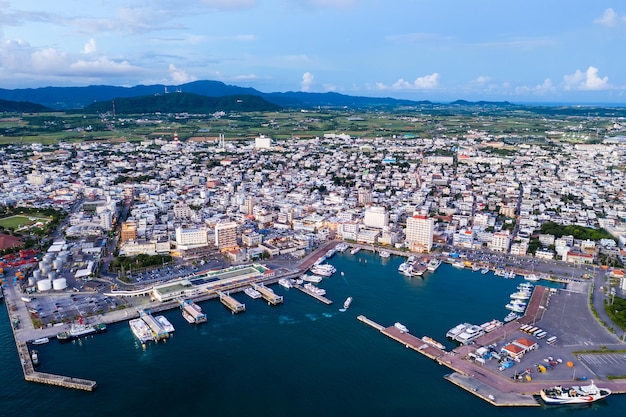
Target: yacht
[[511, 316], [484, 271], [516, 307], [324, 270], [456, 330], [346, 304], [355, 251], [34, 355], [311, 278], [341, 247], [285, 282], [521, 295], [531, 277], [470, 334]]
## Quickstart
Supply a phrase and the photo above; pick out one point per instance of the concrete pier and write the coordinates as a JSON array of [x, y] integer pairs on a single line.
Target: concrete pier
[[267, 294], [312, 294], [230, 302]]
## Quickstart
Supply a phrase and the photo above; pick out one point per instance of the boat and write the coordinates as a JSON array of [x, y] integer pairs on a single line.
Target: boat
[[490, 326], [141, 330], [521, 295], [418, 269], [79, 329], [484, 271], [433, 264], [252, 293], [311, 278], [165, 323], [285, 282], [355, 251], [341, 247], [458, 264], [577, 394], [401, 327], [330, 253], [324, 270], [40, 341], [34, 355], [469, 334], [315, 290], [531, 277], [384, 254], [346, 304], [516, 307], [511, 316], [433, 342], [525, 286], [456, 330], [475, 268]]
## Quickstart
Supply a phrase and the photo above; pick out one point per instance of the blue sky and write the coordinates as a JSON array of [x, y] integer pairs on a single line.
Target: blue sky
[[522, 51]]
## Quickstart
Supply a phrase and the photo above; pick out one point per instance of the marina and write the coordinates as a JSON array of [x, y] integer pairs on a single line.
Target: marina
[[268, 294]]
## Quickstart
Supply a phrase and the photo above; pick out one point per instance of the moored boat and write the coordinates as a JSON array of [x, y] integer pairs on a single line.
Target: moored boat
[[433, 342], [40, 341], [285, 282], [583, 394], [401, 327], [34, 355], [511, 316], [79, 329], [433, 264], [165, 323], [252, 293]]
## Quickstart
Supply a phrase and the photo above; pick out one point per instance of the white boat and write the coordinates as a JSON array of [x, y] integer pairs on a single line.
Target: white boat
[[311, 278], [141, 330], [583, 394], [384, 254], [516, 307], [324, 270], [525, 286], [521, 295], [458, 264], [34, 355], [531, 277], [346, 304], [252, 293], [469, 334], [355, 251], [284, 282], [401, 327], [484, 271], [315, 290], [433, 342], [433, 264], [456, 330], [341, 247], [492, 325], [511, 316], [40, 341], [165, 324]]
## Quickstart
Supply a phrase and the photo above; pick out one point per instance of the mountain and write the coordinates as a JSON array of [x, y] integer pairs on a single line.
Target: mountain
[[21, 107], [182, 103], [65, 98], [481, 103]]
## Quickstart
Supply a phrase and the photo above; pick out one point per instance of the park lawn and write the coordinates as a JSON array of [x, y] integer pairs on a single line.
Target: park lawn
[[15, 222]]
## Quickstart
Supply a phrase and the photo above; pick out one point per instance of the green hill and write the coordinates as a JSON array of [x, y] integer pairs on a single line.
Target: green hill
[[182, 103], [21, 107]]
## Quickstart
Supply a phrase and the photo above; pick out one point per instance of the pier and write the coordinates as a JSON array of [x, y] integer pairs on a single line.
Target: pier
[[192, 312], [230, 302], [156, 327], [267, 294], [312, 294], [43, 378]]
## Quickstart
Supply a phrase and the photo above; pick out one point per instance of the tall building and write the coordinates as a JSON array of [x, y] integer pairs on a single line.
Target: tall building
[[419, 233], [250, 205], [365, 196], [129, 230], [376, 217], [500, 241], [226, 235], [191, 237]]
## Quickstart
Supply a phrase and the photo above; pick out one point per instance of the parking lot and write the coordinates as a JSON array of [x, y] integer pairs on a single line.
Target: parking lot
[[53, 309]]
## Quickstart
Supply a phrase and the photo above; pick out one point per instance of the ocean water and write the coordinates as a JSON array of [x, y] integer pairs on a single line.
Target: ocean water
[[301, 358]]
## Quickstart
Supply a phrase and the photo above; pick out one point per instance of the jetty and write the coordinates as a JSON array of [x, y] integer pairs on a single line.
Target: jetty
[[230, 302], [31, 375], [267, 294], [157, 329], [192, 312], [312, 294]]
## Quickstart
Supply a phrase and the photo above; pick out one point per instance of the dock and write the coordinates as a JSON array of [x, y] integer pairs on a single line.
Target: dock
[[267, 294], [369, 322], [230, 302], [312, 294], [155, 326], [51, 379], [192, 312]]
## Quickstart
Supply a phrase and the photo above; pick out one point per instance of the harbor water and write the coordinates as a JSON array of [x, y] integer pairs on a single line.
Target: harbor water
[[300, 358]]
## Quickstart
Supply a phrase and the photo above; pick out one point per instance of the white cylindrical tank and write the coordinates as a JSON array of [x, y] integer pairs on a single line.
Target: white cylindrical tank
[[44, 285], [59, 284], [32, 281], [51, 275], [48, 257], [37, 274], [45, 270], [57, 264]]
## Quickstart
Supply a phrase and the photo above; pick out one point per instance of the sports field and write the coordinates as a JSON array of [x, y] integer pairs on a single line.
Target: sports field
[[19, 221]]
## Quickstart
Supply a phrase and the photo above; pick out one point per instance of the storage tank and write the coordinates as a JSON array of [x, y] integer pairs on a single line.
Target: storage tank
[[48, 257], [32, 281], [37, 274], [51, 275], [59, 284], [44, 285], [57, 264], [45, 270]]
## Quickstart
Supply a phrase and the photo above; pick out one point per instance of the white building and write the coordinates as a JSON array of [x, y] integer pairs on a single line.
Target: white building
[[191, 237], [262, 142], [226, 235], [419, 233], [500, 241], [376, 217]]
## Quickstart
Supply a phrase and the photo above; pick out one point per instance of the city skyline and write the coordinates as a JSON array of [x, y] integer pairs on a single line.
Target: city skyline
[[521, 52]]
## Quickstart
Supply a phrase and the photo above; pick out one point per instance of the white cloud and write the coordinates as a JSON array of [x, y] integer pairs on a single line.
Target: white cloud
[[90, 47], [101, 66], [546, 87], [608, 19], [588, 80], [330, 87], [307, 81], [481, 79], [179, 76], [427, 82]]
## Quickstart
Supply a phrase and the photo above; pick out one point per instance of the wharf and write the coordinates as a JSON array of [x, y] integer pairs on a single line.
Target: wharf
[[155, 326], [312, 294], [490, 394], [193, 311], [267, 294], [51, 379], [369, 322], [230, 302]]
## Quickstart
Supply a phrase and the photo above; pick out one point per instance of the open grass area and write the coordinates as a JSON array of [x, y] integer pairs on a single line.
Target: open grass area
[[16, 222]]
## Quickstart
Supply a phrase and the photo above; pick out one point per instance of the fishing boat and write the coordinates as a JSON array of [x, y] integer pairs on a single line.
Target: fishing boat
[[583, 394]]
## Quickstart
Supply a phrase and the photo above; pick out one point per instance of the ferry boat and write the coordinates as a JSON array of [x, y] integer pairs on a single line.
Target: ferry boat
[[401, 327], [315, 290], [469, 334], [456, 330], [433, 342], [80, 329], [34, 355], [141, 330], [165, 323], [285, 282], [311, 278], [324, 270], [40, 341], [355, 251], [346, 304], [433, 264], [583, 394], [252, 293]]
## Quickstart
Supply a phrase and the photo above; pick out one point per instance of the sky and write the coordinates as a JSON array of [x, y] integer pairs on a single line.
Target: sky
[[548, 51]]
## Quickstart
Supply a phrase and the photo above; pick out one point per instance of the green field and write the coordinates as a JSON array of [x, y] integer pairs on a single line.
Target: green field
[[16, 222]]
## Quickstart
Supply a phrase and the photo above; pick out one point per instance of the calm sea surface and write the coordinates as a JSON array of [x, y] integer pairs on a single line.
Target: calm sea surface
[[301, 358]]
